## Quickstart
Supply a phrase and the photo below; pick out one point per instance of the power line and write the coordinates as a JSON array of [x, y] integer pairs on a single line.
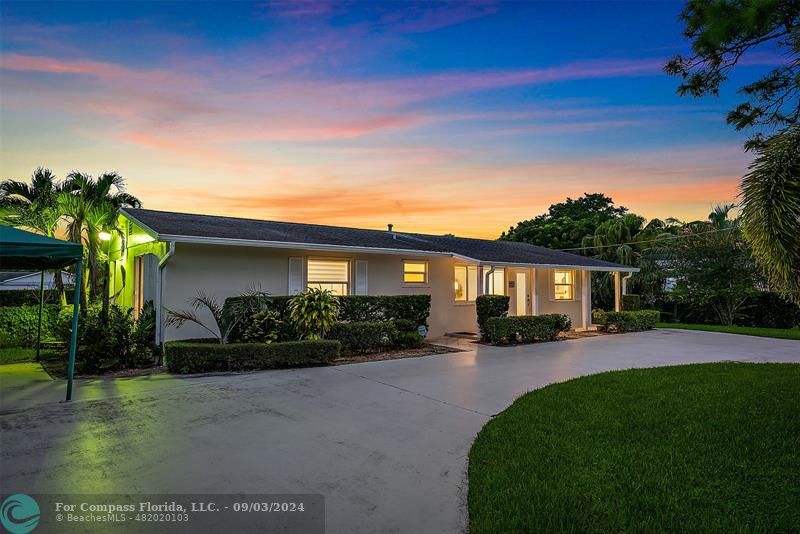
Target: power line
[[664, 238]]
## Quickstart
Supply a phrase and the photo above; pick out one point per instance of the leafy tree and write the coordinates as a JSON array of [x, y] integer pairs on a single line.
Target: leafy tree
[[722, 33], [566, 224], [714, 266], [771, 211]]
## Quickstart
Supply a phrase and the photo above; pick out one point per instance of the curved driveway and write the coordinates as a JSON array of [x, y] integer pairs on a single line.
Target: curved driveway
[[385, 442]]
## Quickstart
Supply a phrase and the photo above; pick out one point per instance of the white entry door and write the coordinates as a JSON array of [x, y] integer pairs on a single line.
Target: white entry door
[[521, 293]]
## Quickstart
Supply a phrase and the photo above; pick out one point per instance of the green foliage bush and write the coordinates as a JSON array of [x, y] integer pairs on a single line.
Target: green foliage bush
[[405, 325], [113, 343], [629, 321], [182, 357], [414, 308], [631, 302], [408, 340], [352, 308], [363, 336], [769, 310], [313, 312], [526, 328], [18, 324], [263, 328], [487, 306], [29, 297]]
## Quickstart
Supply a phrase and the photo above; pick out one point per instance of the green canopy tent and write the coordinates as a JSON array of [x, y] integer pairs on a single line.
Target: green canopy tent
[[26, 251]]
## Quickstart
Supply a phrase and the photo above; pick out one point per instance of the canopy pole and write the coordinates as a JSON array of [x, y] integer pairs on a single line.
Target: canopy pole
[[73, 338], [39, 327]]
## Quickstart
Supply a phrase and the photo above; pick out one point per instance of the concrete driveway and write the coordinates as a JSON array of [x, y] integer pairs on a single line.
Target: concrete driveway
[[385, 442]]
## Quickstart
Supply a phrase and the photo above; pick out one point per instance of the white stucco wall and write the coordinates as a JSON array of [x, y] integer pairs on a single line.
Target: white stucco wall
[[224, 271]]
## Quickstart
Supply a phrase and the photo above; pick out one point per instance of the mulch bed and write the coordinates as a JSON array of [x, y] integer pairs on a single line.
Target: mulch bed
[[425, 350]]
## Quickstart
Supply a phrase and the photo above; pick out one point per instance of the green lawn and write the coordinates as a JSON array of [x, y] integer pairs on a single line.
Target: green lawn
[[782, 333], [694, 448], [19, 355]]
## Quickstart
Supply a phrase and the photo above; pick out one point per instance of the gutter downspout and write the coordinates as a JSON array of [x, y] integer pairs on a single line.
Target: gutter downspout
[[488, 275], [625, 283], [159, 294]]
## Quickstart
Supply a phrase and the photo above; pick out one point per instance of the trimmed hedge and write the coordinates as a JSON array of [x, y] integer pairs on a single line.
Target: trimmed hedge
[[363, 336], [526, 328], [186, 358], [18, 324], [628, 321], [352, 308], [30, 297], [487, 306], [630, 302]]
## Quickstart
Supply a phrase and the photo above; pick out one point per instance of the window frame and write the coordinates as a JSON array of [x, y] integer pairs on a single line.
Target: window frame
[[348, 284], [467, 300], [572, 285], [485, 269], [424, 272]]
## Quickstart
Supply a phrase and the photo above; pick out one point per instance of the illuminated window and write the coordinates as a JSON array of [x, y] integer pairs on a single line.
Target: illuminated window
[[496, 285], [564, 285], [415, 272], [333, 275], [466, 283]]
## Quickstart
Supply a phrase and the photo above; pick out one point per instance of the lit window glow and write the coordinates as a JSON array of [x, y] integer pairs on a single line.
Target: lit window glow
[[333, 275], [563, 285], [415, 272], [466, 283], [496, 284]]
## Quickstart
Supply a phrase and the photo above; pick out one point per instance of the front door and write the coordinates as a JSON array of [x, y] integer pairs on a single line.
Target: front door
[[521, 293]]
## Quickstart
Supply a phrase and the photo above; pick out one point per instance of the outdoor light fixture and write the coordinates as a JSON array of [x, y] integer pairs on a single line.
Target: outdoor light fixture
[[105, 236]]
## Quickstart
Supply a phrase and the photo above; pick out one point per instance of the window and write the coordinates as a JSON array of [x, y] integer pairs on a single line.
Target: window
[[466, 283], [333, 275], [496, 284], [563, 285], [415, 272]]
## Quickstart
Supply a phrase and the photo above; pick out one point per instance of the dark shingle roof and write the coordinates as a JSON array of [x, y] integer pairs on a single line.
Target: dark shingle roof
[[170, 224]]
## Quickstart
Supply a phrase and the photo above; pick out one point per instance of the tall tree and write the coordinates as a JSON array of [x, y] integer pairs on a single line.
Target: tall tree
[[771, 211], [35, 206], [722, 34], [92, 207], [566, 223]]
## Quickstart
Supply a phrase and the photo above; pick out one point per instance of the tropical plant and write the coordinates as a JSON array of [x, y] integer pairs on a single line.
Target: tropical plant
[[264, 327], [313, 313], [225, 318], [34, 206], [92, 207], [770, 213]]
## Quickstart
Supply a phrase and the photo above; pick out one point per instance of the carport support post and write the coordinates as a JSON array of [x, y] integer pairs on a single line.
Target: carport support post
[[39, 327], [617, 303], [73, 338]]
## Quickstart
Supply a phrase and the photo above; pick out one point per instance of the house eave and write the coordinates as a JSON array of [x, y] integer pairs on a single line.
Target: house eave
[[614, 269]]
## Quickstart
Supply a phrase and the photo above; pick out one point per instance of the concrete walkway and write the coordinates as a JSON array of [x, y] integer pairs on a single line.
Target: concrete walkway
[[385, 442]]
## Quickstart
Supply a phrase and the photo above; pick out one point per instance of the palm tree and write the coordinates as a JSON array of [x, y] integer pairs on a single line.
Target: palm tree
[[770, 195], [35, 206], [92, 207]]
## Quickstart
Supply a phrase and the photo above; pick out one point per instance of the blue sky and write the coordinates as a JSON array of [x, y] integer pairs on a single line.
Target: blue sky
[[440, 117]]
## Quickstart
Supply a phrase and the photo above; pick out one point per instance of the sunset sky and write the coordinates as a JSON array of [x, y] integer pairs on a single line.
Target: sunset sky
[[461, 118]]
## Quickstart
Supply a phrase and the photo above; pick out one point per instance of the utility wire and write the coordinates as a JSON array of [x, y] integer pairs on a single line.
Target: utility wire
[[663, 238]]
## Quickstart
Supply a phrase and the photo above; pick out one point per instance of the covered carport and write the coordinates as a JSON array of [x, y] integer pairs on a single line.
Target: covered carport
[[26, 251]]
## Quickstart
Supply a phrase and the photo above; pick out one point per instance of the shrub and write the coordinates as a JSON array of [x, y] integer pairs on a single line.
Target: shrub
[[526, 328], [407, 340], [357, 308], [313, 313], [630, 321], [352, 308], [30, 297], [405, 325], [487, 306], [630, 302], [769, 310], [362, 337], [109, 344], [263, 328], [182, 357], [19, 324]]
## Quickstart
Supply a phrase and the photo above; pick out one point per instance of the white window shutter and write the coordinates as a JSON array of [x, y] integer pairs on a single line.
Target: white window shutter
[[362, 287], [295, 275]]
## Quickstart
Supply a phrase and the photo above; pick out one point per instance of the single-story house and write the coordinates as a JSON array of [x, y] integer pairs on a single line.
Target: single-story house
[[17, 280], [169, 257]]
